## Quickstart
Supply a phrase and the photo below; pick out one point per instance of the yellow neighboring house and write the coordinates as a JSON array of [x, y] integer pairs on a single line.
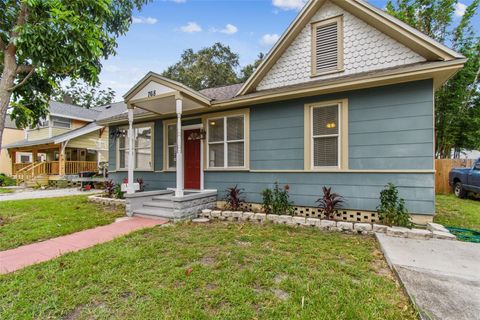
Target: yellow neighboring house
[[11, 134], [64, 144]]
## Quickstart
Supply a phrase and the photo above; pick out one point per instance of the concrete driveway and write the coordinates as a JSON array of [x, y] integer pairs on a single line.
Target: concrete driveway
[[38, 194], [442, 277]]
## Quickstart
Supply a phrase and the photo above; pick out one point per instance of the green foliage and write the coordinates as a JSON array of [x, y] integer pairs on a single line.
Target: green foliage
[[6, 181], [117, 191], [84, 95], [277, 201], [210, 67], [45, 42], [392, 210], [457, 113]]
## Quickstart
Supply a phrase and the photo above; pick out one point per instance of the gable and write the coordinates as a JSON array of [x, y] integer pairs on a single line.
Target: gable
[[152, 88], [365, 48]]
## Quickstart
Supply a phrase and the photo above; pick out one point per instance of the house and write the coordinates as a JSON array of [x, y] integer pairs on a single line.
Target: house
[[344, 99], [11, 134], [68, 141]]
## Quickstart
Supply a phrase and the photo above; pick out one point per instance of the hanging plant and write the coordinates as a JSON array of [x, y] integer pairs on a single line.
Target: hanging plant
[[118, 133]]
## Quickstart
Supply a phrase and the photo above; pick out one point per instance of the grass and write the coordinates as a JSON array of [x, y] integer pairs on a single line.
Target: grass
[[27, 221], [5, 190], [454, 212], [216, 271]]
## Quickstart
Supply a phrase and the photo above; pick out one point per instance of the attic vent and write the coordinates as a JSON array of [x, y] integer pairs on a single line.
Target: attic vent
[[327, 46]]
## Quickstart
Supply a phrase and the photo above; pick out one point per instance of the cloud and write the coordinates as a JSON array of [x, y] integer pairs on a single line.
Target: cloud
[[191, 27], [460, 9], [269, 39], [289, 4], [144, 20], [229, 29]]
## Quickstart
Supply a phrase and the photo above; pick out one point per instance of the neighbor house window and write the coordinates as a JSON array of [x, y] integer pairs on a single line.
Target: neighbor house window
[[326, 135], [60, 122], [226, 142], [142, 152], [171, 146], [327, 46]]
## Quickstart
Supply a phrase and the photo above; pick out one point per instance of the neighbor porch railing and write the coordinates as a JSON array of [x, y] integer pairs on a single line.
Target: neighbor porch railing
[[26, 171], [75, 167]]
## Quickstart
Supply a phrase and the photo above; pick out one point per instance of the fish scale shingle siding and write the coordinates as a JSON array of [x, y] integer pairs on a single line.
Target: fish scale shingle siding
[[365, 49]]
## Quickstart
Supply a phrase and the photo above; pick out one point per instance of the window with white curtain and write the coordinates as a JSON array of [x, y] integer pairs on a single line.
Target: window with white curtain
[[142, 152], [325, 136], [226, 142]]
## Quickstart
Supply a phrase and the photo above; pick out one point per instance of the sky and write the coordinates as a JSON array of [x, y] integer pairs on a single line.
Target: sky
[[163, 29]]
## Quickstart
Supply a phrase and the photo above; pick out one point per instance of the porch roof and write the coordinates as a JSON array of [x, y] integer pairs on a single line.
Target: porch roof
[[56, 139]]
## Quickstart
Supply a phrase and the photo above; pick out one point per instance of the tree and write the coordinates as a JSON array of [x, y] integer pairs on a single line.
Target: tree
[[84, 95], [44, 42], [457, 113], [249, 69], [207, 68]]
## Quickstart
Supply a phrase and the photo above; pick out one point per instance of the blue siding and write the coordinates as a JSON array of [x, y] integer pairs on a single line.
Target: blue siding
[[390, 128]]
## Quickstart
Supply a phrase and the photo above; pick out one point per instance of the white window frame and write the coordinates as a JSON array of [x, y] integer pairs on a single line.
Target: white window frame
[[338, 135], [150, 125], [167, 164], [226, 142], [58, 119]]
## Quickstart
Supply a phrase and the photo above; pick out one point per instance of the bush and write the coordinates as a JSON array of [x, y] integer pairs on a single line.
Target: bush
[[234, 198], [117, 190], [392, 210], [329, 202], [109, 188], [277, 201], [6, 181]]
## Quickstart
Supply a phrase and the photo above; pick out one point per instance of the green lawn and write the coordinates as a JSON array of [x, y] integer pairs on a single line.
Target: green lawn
[[27, 221], [454, 212], [5, 190], [216, 271]]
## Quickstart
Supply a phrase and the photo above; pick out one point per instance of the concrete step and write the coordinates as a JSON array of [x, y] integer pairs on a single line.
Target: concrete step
[[167, 197], [155, 212], [159, 204]]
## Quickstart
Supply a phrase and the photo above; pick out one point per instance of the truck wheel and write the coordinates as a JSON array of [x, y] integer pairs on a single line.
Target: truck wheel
[[459, 191]]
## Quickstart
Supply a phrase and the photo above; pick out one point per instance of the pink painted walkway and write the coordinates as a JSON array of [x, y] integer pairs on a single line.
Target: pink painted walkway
[[14, 259]]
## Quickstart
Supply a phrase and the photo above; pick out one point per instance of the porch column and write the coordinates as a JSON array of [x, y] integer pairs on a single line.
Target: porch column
[[131, 141], [61, 160], [179, 189]]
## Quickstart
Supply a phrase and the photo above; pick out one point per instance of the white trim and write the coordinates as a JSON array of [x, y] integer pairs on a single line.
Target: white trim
[[225, 142], [152, 146]]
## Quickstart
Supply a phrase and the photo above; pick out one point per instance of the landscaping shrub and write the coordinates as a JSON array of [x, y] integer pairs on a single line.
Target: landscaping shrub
[[234, 198], [329, 202], [277, 201], [141, 184], [392, 210], [6, 181], [117, 190], [109, 188]]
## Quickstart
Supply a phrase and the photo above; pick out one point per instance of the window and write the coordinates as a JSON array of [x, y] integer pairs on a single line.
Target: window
[[226, 142], [326, 135], [60, 122], [327, 46], [171, 146], [142, 152]]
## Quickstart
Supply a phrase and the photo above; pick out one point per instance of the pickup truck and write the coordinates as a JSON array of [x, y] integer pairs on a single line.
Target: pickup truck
[[464, 180]]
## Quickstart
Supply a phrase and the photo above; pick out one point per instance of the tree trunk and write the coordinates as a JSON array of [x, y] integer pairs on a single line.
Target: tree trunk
[[6, 82]]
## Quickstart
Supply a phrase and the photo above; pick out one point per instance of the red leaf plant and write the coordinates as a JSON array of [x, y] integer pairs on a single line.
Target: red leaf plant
[[329, 202]]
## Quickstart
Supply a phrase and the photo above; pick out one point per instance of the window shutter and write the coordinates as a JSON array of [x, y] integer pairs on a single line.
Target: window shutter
[[326, 47]]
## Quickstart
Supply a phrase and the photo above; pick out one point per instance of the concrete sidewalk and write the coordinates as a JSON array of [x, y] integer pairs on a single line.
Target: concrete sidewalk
[[38, 194], [442, 277], [14, 259]]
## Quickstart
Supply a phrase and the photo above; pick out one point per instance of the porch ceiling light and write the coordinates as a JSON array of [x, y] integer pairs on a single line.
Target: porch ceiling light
[[331, 125]]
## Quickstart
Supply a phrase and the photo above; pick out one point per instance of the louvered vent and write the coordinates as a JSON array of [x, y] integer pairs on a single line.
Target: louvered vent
[[326, 50]]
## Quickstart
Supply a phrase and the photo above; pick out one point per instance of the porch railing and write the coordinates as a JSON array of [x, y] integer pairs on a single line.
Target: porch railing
[[75, 167], [25, 171]]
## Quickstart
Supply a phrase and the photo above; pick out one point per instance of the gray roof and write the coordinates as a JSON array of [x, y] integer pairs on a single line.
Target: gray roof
[[223, 92], [110, 110], [57, 139], [72, 111]]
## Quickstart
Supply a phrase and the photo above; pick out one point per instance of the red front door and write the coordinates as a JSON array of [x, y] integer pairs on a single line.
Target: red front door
[[191, 143]]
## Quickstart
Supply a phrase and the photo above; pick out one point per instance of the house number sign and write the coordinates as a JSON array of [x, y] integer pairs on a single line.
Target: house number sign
[[152, 93]]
